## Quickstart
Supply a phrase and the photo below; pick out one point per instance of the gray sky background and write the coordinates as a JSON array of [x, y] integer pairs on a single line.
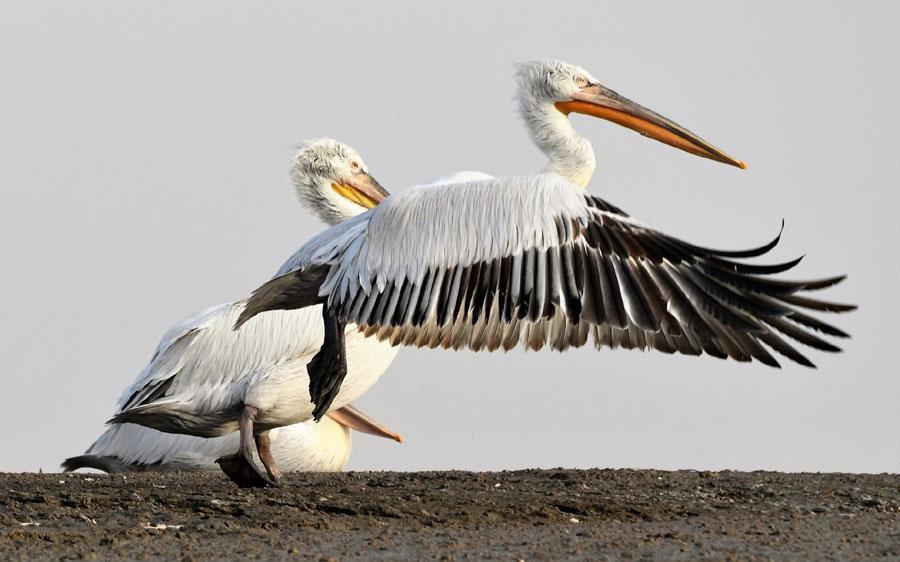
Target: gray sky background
[[143, 166]]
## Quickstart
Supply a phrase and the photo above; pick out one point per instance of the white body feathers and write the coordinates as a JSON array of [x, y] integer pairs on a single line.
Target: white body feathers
[[301, 447], [210, 370]]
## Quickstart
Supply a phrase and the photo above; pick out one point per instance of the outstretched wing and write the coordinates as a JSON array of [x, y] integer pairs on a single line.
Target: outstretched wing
[[536, 261]]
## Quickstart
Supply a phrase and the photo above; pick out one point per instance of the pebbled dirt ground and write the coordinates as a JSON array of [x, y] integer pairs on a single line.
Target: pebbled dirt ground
[[523, 515]]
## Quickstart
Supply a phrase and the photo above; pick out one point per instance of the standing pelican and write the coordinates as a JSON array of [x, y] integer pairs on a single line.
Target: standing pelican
[[535, 259], [202, 363]]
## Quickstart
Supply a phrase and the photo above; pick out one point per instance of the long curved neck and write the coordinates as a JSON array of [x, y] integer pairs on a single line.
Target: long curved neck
[[571, 155]]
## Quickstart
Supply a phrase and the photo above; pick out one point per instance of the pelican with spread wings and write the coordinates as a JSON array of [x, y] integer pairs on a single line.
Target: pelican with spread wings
[[536, 260]]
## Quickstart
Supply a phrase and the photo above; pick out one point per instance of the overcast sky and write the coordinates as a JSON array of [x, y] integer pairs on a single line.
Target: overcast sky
[[144, 155]]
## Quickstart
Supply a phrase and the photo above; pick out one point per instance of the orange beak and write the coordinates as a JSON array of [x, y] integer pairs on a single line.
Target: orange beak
[[348, 416], [599, 101], [362, 189]]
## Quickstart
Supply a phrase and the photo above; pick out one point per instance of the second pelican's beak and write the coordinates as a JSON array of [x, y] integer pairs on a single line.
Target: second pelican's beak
[[599, 101], [349, 416], [362, 189]]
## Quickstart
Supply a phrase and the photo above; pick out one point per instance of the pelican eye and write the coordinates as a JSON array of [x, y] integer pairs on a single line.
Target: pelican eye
[[581, 81], [355, 166]]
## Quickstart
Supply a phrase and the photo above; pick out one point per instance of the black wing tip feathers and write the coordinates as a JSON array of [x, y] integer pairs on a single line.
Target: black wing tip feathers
[[804, 361], [748, 253], [249, 311], [296, 289], [322, 394], [74, 463], [328, 367], [325, 376], [243, 318], [108, 464], [821, 306], [823, 283]]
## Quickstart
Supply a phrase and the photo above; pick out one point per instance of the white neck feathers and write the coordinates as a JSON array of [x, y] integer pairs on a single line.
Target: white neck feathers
[[571, 155]]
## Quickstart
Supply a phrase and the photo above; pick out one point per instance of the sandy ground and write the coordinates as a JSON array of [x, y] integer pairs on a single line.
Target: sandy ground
[[523, 515]]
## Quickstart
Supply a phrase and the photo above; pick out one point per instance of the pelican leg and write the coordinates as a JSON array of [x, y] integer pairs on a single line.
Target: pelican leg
[[263, 447], [240, 467], [329, 366]]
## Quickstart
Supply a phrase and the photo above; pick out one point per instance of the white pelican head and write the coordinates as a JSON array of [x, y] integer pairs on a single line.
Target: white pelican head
[[549, 90], [332, 179], [548, 81]]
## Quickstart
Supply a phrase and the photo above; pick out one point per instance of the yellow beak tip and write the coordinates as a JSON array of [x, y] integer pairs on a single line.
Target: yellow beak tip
[[742, 165]]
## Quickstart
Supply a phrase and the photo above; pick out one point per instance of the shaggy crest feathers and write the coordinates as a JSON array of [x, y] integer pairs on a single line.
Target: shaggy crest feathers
[[316, 165], [548, 80]]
